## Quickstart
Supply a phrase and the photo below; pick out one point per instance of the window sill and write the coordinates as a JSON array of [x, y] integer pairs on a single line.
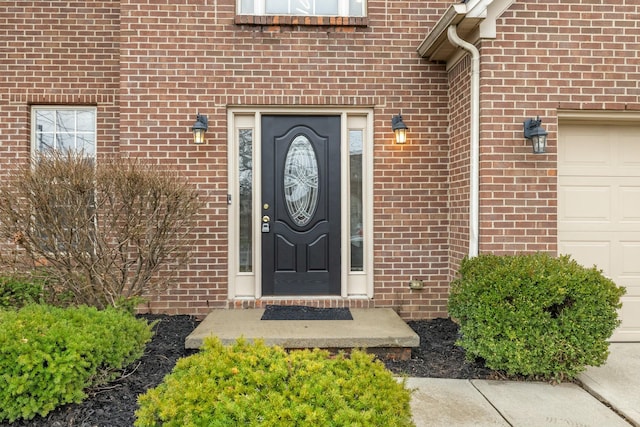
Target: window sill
[[329, 21]]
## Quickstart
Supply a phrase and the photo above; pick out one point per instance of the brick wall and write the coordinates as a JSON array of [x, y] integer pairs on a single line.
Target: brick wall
[[549, 56], [149, 66], [56, 52], [459, 166], [182, 57]]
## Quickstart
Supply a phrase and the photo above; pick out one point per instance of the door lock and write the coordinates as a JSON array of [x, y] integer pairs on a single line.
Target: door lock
[[265, 224]]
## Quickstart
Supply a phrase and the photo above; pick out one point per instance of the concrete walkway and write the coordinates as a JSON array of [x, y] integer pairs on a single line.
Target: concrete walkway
[[446, 402]]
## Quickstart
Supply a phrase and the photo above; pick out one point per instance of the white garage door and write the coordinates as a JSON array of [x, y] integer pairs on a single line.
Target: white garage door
[[599, 207]]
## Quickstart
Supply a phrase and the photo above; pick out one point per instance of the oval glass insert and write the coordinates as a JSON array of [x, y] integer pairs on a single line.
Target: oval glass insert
[[301, 181]]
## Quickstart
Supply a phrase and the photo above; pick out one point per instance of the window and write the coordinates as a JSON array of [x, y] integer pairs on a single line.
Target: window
[[356, 216], [302, 7], [64, 128], [245, 214]]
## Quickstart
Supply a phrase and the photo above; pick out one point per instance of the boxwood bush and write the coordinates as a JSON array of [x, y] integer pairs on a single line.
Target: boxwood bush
[[533, 314], [49, 355], [256, 385]]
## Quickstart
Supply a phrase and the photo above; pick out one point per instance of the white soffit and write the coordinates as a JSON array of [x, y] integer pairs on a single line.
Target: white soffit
[[475, 19]]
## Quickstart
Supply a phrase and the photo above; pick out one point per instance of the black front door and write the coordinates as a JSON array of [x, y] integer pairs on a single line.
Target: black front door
[[300, 205]]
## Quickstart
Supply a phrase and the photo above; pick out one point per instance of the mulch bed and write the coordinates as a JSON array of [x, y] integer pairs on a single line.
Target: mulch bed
[[114, 404]]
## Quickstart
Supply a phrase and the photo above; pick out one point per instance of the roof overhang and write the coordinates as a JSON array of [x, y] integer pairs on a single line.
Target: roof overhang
[[474, 19]]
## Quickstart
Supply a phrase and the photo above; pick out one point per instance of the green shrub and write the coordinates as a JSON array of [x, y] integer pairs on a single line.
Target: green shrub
[[49, 355], [253, 384], [534, 315], [16, 292]]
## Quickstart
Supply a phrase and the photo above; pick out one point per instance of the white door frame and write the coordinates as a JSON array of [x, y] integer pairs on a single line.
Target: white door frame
[[355, 123]]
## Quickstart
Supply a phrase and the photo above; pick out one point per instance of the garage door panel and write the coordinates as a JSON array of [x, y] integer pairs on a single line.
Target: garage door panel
[[599, 207], [629, 204], [599, 150], [630, 259], [583, 203], [581, 150], [612, 207], [629, 314], [627, 148], [587, 253]]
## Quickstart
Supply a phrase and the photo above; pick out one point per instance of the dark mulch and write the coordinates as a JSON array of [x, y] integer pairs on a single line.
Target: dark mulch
[[114, 405], [438, 356]]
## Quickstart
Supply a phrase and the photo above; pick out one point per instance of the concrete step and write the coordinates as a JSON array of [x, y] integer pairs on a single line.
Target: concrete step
[[379, 330]]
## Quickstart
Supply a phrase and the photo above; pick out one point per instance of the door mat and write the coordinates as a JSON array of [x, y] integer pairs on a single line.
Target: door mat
[[301, 312]]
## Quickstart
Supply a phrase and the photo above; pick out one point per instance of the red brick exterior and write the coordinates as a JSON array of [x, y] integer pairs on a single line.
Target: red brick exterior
[[150, 65], [459, 162], [549, 56]]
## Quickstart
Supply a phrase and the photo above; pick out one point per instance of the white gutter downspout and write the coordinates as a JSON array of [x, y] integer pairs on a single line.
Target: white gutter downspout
[[475, 138]]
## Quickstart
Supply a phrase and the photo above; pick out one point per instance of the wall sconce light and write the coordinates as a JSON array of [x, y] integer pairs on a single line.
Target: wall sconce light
[[399, 129], [536, 134], [199, 128]]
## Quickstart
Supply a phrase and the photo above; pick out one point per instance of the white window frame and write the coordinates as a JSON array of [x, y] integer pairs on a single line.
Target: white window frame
[[259, 8], [354, 284], [36, 133], [35, 146]]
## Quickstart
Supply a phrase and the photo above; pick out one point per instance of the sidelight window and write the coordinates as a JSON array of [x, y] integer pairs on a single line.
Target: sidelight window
[[356, 216], [245, 179]]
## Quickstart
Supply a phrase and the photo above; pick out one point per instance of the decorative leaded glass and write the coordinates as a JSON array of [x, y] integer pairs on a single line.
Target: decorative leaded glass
[[245, 178], [355, 210], [301, 181]]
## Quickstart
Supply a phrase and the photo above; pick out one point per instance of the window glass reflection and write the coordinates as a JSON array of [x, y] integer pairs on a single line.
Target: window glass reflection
[[65, 129], [246, 6], [276, 6], [327, 7], [355, 185], [356, 7], [245, 178]]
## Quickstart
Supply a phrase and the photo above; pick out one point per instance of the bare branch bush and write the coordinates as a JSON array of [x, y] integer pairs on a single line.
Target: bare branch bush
[[103, 232]]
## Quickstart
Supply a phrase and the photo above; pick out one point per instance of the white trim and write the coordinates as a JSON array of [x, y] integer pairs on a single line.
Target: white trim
[[488, 27], [257, 201], [344, 203], [475, 20], [355, 285], [259, 9], [56, 108], [598, 116]]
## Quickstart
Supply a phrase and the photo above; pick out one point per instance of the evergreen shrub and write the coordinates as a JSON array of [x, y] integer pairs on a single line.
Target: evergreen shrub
[[257, 385], [16, 292], [534, 315], [49, 355]]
